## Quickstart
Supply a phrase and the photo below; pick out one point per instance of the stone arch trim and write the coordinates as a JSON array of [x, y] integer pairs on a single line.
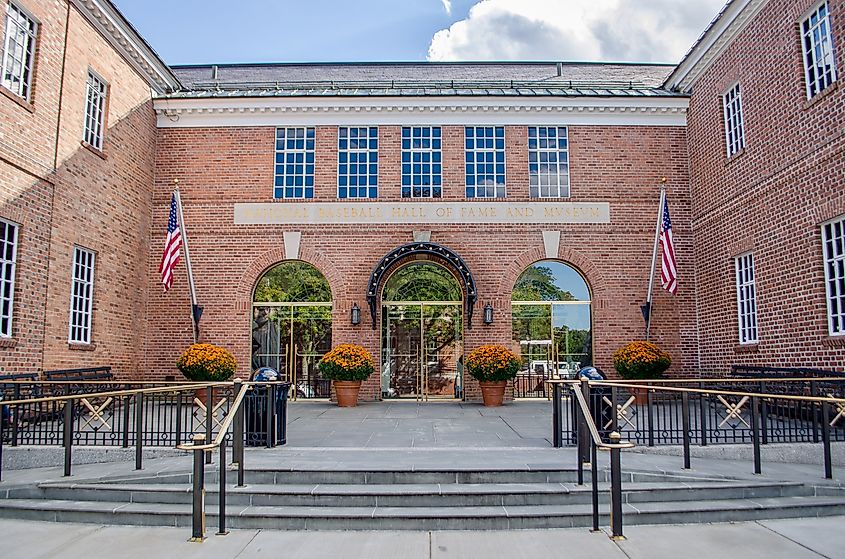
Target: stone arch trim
[[410, 251], [591, 273], [264, 262]]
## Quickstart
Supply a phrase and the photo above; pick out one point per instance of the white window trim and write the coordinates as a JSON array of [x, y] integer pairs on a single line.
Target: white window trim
[[431, 151], [733, 147], [476, 150], [13, 278], [304, 152], [101, 121], [742, 299], [73, 281], [558, 151], [833, 74], [367, 151], [828, 295], [27, 96]]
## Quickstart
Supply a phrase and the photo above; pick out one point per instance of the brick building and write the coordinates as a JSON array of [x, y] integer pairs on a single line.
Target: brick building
[[422, 209]]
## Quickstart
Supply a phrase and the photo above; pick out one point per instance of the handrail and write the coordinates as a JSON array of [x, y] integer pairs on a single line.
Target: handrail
[[646, 382], [164, 382], [764, 395], [591, 425], [242, 389], [112, 393]]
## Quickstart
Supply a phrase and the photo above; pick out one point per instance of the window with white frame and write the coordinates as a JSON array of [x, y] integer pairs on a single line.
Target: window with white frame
[[746, 298], [422, 168], [18, 51], [357, 162], [8, 258], [734, 123], [817, 47], [833, 240], [485, 161], [294, 163], [548, 162], [81, 296], [95, 111]]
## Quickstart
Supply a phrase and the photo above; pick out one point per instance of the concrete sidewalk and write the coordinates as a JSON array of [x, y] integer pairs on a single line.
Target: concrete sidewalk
[[792, 539]]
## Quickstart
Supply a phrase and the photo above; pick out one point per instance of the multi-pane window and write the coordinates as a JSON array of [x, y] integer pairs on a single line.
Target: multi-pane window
[[817, 46], [294, 163], [18, 51], [548, 162], [81, 296], [95, 111], [357, 162], [8, 256], [734, 124], [421, 162], [833, 239], [746, 298], [485, 161]]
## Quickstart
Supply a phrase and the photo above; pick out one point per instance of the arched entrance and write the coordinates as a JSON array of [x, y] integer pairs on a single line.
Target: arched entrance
[[292, 325], [422, 333], [552, 325]]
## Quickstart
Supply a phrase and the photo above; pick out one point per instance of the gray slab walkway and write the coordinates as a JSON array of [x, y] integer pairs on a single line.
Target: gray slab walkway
[[793, 539]]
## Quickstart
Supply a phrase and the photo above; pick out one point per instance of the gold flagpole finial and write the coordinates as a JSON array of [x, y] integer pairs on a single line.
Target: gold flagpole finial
[[662, 181]]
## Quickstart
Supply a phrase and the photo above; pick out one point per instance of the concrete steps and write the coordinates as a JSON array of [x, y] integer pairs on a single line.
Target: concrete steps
[[416, 500]]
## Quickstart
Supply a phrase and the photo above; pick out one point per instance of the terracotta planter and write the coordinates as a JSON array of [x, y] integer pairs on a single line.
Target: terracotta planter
[[347, 392], [202, 395], [493, 392]]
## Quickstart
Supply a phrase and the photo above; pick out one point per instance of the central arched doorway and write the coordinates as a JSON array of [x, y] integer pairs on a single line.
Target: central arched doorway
[[422, 333], [292, 326]]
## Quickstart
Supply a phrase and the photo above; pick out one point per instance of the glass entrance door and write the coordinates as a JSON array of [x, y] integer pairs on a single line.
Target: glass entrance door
[[422, 350]]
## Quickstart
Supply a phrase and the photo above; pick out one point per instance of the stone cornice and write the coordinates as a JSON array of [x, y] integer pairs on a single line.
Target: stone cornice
[[721, 33], [187, 113], [125, 39]]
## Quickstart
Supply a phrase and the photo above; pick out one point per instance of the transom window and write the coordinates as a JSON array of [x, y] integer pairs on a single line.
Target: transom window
[[8, 257], [746, 298], [81, 296], [485, 161], [18, 51], [548, 161], [95, 108], [357, 162], [734, 124], [817, 43], [294, 163], [421, 162], [833, 239]]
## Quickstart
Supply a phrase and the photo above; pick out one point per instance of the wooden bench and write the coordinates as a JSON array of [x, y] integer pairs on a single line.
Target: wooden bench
[[80, 375]]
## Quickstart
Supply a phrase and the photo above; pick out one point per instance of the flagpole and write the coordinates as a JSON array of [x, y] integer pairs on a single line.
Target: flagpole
[[184, 231], [647, 308]]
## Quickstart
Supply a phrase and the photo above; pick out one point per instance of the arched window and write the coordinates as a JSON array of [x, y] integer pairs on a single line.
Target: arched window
[[552, 325], [292, 326]]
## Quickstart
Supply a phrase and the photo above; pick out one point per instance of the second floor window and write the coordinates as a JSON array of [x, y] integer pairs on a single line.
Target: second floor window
[[95, 111], [548, 162], [817, 47], [422, 168], [294, 163], [19, 51], [746, 298], [734, 124], [81, 296], [8, 258], [833, 240], [357, 162], [485, 161]]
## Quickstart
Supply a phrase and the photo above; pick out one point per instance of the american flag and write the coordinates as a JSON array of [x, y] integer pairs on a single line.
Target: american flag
[[172, 246], [668, 272]]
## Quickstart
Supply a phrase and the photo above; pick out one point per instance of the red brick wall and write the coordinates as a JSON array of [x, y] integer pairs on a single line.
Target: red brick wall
[[217, 167], [772, 197]]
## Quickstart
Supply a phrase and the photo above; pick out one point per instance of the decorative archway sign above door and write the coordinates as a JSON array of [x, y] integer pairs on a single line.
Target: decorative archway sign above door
[[428, 249]]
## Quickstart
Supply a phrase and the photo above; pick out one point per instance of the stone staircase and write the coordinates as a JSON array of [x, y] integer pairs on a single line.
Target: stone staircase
[[477, 499]]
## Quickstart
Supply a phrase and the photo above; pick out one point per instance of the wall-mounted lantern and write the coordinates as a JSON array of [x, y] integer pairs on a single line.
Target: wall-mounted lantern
[[356, 314], [488, 314]]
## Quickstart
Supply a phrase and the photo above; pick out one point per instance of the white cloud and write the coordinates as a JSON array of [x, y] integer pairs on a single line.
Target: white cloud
[[601, 30], [447, 5]]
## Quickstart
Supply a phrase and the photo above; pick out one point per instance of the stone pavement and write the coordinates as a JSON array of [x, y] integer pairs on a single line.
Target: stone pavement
[[773, 539]]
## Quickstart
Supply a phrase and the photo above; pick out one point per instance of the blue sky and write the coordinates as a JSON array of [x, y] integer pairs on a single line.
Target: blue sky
[[214, 31]]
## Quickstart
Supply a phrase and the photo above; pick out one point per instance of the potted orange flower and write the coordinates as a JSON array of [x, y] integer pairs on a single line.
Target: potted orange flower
[[347, 365], [640, 361], [206, 363], [493, 366]]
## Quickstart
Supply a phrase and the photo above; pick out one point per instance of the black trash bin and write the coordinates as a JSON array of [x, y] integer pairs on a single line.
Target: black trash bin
[[266, 405], [601, 403]]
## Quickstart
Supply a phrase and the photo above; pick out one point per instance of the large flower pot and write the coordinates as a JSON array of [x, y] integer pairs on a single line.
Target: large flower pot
[[493, 392], [347, 392]]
